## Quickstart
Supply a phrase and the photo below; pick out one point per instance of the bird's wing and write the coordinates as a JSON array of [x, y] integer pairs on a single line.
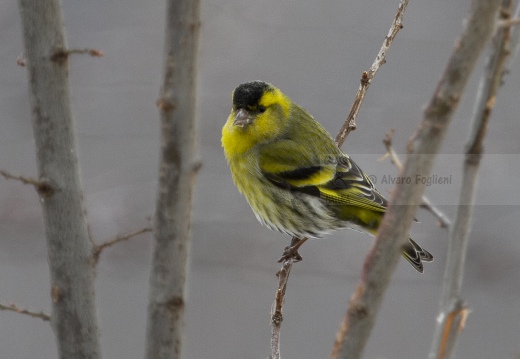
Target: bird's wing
[[350, 186], [289, 164], [332, 177]]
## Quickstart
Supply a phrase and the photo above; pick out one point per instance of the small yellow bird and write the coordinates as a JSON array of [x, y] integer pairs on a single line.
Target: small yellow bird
[[292, 173]]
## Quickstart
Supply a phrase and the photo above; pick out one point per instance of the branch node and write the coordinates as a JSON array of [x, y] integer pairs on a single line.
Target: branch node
[[56, 294], [364, 78], [165, 104], [174, 303], [20, 60], [197, 165], [59, 55], [45, 189]]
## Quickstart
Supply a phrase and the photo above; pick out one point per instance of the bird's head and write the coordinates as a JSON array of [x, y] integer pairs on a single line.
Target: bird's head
[[260, 113]]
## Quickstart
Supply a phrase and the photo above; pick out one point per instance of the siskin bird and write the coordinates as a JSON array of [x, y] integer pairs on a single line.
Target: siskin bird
[[292, 173]]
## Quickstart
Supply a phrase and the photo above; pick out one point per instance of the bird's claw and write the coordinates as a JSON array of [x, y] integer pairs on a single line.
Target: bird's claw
[[291, 252]]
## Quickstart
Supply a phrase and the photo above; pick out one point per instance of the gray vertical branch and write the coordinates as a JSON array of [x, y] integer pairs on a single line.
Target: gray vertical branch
[[179, 164], [70, 249]]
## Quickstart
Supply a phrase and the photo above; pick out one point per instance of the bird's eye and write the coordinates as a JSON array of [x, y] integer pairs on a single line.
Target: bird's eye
[[261, 109]]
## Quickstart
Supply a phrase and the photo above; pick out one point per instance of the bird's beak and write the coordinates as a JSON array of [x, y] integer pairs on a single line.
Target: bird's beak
[[243, 118]]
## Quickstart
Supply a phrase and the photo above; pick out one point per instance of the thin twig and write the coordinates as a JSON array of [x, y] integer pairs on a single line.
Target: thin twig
[[384, 255], [24, 180], [289, 257], [276, 310], [61, 53], [443, 220], [100, 247], [367, 76], [43, 187], [91, 52], [508, 23], [15, 308], [452, 310]]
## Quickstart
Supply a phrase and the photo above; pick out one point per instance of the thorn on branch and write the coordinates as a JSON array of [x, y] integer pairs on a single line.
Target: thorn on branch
[[14, 308], [100, 247]]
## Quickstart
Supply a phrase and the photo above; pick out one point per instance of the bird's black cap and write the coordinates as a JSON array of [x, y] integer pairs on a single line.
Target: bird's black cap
[[249, 93]]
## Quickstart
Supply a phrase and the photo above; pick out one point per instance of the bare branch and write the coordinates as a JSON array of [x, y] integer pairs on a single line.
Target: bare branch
[[100, 247], [382, 259], [276, 310], [443, 220], [289, 257], [15, 308], [70, 251], [367, 76], [178, 168], [452, 308]]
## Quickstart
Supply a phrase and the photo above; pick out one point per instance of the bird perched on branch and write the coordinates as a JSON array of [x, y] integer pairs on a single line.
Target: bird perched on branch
[[292, 173]]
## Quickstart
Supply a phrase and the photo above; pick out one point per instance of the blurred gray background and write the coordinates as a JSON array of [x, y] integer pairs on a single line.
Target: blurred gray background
[[315, 52]]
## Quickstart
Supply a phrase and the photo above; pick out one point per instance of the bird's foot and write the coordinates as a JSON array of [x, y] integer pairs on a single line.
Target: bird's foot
[[291, 252]]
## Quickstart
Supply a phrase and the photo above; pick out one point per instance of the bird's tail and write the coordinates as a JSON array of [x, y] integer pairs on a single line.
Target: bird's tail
[[416, 255]]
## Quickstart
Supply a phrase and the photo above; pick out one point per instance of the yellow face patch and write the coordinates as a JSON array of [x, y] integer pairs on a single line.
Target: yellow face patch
[[274, 97], [264, 126]]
